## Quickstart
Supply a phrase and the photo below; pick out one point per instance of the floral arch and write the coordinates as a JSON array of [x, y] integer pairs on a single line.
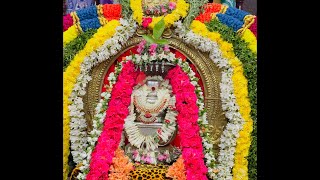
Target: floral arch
[[216, 52]]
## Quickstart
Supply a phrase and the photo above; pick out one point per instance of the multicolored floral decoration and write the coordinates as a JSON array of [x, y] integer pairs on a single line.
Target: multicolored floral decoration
[[179, 10], [99, 153]]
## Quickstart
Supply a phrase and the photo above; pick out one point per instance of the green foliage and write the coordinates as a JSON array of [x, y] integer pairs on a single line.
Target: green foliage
[[157, 32], [158, 29], [71, 49], [249, 61], [161, 41], [195, 7], [148, 38], [126, 10]]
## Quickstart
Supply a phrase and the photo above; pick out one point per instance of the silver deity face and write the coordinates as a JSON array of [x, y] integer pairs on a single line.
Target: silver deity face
[[152, 83], [152, 96]]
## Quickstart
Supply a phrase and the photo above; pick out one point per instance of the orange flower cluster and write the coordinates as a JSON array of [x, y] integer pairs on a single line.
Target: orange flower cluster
[[209, 10], [120, 167], [177, 171], [112, 11]]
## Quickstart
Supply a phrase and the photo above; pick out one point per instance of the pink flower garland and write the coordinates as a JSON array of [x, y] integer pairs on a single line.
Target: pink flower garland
[[108, 141], [67, 22], [191, 142]]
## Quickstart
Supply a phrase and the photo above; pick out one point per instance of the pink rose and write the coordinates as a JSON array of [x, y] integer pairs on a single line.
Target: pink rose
[[141, 46], [163, 10], [166, 48], [152, 49], [172, 5], [146, 21]]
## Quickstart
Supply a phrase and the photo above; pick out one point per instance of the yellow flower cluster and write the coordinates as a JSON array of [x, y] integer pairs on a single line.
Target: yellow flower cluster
[[240, 169], [181, 10], [137, 12], [249, 37], [70, 77], [70, 34]]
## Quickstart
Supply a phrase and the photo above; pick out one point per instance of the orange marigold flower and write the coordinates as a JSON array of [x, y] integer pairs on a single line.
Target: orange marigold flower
[[112, 11], [177, 170]]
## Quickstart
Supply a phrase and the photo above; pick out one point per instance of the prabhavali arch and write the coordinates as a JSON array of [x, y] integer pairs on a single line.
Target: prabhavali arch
[[209, 73]]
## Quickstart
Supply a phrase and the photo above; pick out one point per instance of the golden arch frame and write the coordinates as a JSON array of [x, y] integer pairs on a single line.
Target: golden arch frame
[[209, 72]]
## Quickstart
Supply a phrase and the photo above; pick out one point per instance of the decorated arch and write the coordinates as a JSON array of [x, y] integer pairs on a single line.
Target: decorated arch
[[159, 90]]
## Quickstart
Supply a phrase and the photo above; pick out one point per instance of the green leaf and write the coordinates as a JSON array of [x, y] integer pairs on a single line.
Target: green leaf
[[158, 29], [149, 39], [161, 41]]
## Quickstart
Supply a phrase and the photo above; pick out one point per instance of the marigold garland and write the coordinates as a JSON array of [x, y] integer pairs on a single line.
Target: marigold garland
[[176, 170], [121, 167], [109, 139], [70, 77], [251, 39], [180, 11], [209, 10], [240, 169], [249, 62], [112, 11], [70, 34]]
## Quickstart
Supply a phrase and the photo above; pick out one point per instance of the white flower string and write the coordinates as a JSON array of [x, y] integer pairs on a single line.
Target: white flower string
[[78, 126], [231, 132]]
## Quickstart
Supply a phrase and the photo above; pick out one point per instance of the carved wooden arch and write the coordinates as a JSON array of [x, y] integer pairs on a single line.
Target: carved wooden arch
[[209, 72]]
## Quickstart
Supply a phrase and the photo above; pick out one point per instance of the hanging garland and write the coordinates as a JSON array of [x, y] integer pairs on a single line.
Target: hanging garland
[[241, 93], [71, 49], [109, 48], [225, 162], [71, 73], [72, 83], [109, 139], [249, 60], [98, 120]]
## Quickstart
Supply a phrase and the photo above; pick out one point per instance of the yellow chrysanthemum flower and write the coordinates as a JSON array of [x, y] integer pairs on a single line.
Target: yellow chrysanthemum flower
[[249, 37], [70, 34]]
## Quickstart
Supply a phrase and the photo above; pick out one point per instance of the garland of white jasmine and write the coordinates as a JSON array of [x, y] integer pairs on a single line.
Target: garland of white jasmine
[[97, 122], [231, 133], [78, 126], [137, 139], [202, 121]]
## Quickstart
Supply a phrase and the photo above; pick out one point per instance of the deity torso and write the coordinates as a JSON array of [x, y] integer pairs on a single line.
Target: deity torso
[[151, 125]]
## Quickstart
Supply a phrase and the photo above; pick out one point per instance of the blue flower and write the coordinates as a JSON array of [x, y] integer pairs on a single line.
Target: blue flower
[[87, 13], [90, 24], [236, 13], [230, 21]]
